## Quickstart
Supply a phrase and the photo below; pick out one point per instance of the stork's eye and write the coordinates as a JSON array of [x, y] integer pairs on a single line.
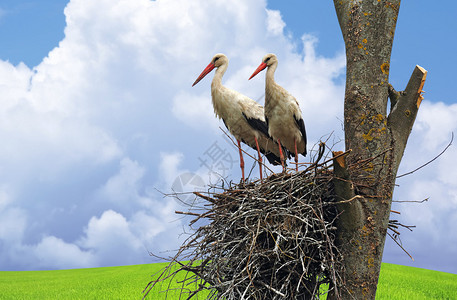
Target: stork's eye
[[267, 59], [216, 59]]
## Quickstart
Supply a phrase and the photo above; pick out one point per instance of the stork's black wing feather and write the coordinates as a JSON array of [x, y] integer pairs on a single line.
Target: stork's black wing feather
[[301, 127], [257, 124], [263, 127], [225, 124]]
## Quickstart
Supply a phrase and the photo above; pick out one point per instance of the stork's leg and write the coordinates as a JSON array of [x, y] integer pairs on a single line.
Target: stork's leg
[[281, 156], [296, 155], [241, 159], [260, 157]]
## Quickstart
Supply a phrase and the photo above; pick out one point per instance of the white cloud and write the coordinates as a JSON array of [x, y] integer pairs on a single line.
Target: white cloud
[[275, 24], [113, 239], [54, 253], [42, 125], [123, 187], [195, 110], [110, 231], [436, 121], [169, 166], [13, 224], [5, 198]]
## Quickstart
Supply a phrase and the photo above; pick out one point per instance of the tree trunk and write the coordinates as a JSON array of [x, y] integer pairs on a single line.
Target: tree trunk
[[377, 139]]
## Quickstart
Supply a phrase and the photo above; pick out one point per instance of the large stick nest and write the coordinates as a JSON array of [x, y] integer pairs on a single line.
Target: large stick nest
[[263, 240], [269, 240]]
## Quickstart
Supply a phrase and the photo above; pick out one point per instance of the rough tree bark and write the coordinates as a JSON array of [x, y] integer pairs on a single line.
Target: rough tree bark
[[376, 136]]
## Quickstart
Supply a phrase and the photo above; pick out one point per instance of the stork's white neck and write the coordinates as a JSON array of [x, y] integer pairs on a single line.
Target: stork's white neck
[[217, 80], [217, 90], [271, 88], [270, 76]]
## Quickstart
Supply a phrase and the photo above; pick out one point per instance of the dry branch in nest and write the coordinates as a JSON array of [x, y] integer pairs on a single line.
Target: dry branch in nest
[[268, 240]]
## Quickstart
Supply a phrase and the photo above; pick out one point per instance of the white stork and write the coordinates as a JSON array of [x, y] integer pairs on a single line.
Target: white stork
[[242, 116], [282, 113]]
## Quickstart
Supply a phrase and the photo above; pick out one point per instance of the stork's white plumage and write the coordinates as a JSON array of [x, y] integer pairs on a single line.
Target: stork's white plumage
[[282, 112], [242, 116]]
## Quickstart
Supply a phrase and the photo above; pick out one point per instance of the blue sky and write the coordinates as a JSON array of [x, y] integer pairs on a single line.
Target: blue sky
[[98, 114], [30, 29]]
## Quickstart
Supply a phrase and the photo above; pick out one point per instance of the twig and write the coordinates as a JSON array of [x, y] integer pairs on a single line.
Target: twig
[[449, 145], [349, 200], [272, 289], [415, 201], [400, 246], [186, 213]]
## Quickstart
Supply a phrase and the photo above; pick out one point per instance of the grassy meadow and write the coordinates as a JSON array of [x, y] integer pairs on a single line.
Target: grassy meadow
[[401, 282], [128, 282]]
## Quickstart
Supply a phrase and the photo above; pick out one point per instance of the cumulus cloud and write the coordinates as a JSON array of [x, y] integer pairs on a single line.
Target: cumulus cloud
[[170, 165], [195, 110], [109, 231], [54, 253], [122, 188], [126, 236], [109, 117], [13, 224], [275, 24]]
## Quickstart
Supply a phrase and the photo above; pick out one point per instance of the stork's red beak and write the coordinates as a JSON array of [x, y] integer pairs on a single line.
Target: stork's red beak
[[260, 68], [205, 72]]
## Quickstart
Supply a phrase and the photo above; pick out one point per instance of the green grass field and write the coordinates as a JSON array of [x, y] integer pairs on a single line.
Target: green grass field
[[126, 282], [400, 282], [396, 282]]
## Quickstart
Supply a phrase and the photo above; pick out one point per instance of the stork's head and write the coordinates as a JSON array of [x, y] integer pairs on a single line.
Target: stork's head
[[217, 61], [267, 61]]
